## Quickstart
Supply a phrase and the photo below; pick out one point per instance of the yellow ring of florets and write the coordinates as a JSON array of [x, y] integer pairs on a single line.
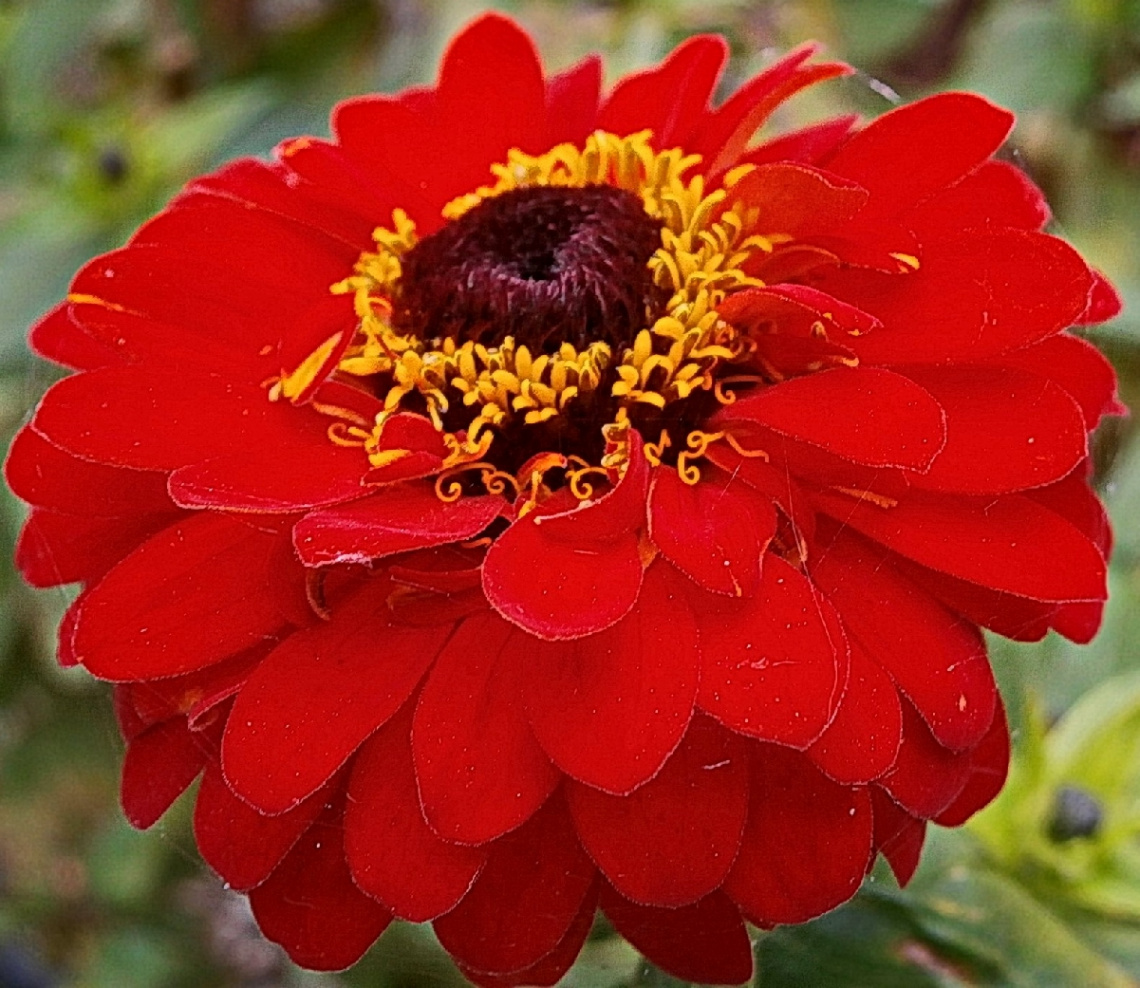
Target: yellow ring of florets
[[704, 246]]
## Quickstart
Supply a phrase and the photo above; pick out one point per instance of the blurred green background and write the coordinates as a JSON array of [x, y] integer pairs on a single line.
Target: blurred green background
[[108, 106]]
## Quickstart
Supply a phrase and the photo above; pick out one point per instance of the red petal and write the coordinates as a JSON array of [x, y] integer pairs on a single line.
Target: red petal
[[892, 156], [1007, 543], [706, 942], [393, 854], [550, 969], [311, 907], [270, 187], [926, 778], [808, 840], [572, 99], [669, 99], [55, 548], [131, 725], [133, 339], [973, 297], [794, 310], [189, 597], [558, 591], [126, 417], [898, 835], [191, 695], [799, 200], [1010, 616], [1074, 500], [239, 843], [862, 741], [49, 477], [239, 305], [56, 337], [307, 473], [318, 695], [479, 768], [1078, 367], [989, 767], [775, 666], [672, 841], [1104, 302], [609, 709], [995, 194], [937, 660], [807, 146], [491, 98], [332, 177], [725, 137], [590, 571], [1006, 430], [887, 420], [620, 509], [525, 900], [399, 518], [293, 259], [158, 766], [714, 533], [771, 482]]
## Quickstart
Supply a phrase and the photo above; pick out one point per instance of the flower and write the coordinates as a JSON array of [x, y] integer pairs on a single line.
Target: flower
[[536, 500]]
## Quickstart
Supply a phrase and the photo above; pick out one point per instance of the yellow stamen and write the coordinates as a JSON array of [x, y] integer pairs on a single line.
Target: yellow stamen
[[707, 242]]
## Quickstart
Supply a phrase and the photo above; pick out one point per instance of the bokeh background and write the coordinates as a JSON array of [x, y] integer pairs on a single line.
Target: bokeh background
[[108, 106]]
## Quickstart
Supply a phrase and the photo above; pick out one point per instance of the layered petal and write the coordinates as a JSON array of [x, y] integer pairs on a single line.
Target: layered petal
[[610, 709], [160, 763], [774, 666], [880, 418], [672, 841], [1009, 543], [400, 518], [891, 156], [394, 855], [310, 906], [863, 739], [525, 900], [317, 696], [1006, 429], [186, 598], [239, 842], [807, 844], [937, 660], [706, 941], [479, 768], [714, 532], [590, 572]]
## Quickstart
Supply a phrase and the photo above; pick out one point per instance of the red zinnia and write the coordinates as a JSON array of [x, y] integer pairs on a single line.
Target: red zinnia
[[536, 500]]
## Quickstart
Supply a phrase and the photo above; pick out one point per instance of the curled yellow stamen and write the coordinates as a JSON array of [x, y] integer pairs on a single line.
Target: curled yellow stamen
[[579, 487], [698, 443], [732, 441], [494, 481]]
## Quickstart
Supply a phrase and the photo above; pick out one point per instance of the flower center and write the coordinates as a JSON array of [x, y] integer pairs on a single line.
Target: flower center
[[542, 265], [571, 300]]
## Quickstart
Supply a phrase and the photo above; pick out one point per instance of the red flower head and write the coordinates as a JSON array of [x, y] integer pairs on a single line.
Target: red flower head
[[538, 499]]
